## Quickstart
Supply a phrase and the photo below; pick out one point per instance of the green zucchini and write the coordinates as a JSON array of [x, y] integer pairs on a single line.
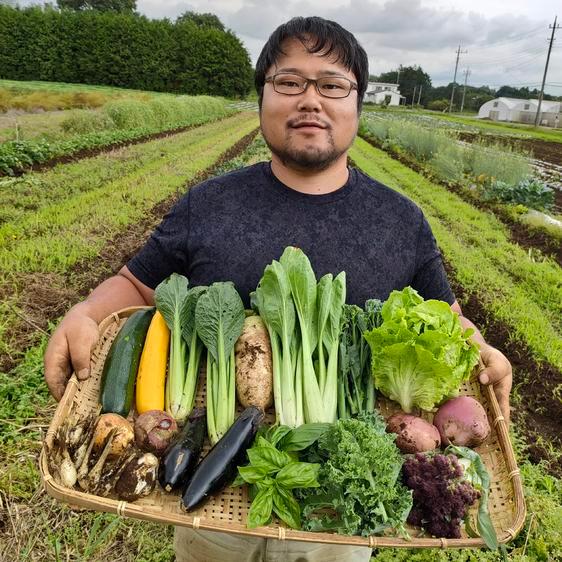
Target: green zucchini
[[120, 368]]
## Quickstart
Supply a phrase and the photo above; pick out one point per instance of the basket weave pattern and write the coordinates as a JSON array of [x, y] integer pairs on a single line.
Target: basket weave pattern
[[228, 511]]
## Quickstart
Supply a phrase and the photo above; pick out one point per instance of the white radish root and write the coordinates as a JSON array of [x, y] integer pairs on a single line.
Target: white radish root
[[254, 368]]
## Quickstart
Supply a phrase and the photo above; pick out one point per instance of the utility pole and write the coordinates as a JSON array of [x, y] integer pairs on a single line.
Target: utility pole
[[414, 96], [466, 74], [398, 77], [419, 93], [459, 52], [554, 28]]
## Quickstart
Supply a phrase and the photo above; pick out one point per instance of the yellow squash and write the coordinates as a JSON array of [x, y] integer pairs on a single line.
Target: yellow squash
[[151, 376]]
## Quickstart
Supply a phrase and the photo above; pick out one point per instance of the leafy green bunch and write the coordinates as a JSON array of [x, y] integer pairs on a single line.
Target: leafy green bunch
[[303, 319], [356, 390], [274, 472], [360, 491], [420, 353], [210, 317]]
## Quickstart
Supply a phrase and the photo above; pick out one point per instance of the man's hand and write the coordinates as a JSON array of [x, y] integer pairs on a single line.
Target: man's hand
[[497, 371], [69, 349]]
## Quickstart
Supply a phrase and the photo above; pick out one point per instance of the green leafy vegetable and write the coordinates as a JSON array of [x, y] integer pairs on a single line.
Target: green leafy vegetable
[[303, 319], [420, 353], [356, 389], [475, 472], [177, 304], [360, 492], [272, 475], [219, 319]]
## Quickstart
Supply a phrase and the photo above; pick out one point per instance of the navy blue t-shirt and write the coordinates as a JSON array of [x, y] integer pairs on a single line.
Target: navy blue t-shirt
[[230, 227]]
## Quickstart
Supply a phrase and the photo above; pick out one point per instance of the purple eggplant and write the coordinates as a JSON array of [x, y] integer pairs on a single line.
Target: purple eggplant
[[219, 467], [181, 456]]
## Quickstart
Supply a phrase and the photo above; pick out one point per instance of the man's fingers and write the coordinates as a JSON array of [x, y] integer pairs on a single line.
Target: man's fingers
[[81, 350], [57, 365]]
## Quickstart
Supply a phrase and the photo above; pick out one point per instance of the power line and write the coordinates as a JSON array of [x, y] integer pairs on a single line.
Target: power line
[[455, 78], [554, 28]]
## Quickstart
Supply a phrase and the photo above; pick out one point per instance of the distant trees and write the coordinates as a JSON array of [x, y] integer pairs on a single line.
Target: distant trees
[[122, 49], [409, 78], [122, 6], [201, 20]]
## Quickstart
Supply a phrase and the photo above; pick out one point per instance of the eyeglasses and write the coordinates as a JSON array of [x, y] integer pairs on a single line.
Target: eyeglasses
[[327, 86]]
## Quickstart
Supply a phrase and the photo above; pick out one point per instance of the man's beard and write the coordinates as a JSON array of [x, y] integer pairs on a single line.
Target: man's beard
[[312, 158]]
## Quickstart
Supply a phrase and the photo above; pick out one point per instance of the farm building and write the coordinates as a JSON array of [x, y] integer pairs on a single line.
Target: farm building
[[382, 92], [522, 111]]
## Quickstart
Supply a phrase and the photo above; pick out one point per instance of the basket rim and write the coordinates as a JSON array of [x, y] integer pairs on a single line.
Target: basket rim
[[83, 500]]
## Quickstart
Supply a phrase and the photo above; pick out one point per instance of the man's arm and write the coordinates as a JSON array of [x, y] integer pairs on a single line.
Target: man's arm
[[71, 345], [497, 370]]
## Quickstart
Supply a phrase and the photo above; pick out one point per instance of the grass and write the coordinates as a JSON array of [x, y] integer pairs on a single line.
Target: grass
[[66, 215], [524, 293]]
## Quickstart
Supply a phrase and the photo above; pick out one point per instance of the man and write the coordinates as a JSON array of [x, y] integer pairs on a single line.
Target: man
[[310, 77]]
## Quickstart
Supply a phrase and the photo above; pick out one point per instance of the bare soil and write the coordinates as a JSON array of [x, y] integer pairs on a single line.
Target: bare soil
[[538, 411], [44, 297]]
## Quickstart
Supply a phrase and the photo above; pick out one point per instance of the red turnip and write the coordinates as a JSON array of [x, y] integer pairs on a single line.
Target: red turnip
[[462, 421]]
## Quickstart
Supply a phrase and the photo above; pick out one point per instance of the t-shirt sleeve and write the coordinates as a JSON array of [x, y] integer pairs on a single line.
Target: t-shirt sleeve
[[430, 278], [166, 250]]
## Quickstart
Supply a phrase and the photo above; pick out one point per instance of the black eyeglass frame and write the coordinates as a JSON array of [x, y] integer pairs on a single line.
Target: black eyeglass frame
[[308, 81]]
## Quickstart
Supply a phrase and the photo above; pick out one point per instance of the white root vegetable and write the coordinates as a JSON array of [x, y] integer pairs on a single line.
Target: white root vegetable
[[254, 368]]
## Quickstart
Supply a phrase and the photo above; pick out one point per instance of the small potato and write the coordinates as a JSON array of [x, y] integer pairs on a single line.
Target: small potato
[[254, 368], [123, 439], [415, 435]]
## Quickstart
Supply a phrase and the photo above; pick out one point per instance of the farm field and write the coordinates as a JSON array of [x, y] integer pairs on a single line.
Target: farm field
[[471, 123], [68, 226]]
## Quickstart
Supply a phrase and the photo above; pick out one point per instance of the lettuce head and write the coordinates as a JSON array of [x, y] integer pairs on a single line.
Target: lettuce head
[[420, 354]]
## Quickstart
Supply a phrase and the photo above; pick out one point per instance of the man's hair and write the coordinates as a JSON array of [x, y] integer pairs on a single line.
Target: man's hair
[[318, 36]]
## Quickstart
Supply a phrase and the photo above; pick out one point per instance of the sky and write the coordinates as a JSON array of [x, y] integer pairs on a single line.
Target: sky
[[501, 42]]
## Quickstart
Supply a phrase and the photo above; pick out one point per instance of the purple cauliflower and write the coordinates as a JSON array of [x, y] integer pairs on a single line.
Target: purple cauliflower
[[441, 495]]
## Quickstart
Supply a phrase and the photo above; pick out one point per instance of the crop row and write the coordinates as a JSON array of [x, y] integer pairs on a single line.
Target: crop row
[[119, 121], [59, 233], [523, 293]]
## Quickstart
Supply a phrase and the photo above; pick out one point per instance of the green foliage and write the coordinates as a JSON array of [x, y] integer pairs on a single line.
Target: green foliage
[[359, 480], [83, 121], [438, 105], [530, 192], [201, 20], [420, 353], [497, 162], [99, 5], [195, 55]]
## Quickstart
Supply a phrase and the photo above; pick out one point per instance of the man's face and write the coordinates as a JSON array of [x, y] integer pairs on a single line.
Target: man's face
[[308, 131]]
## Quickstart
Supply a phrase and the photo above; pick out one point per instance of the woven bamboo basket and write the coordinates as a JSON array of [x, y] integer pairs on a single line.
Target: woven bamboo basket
[[227, 512]]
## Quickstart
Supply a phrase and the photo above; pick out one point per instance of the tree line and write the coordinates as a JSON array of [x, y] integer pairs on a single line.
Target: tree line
[[116, 47], [415, 85]]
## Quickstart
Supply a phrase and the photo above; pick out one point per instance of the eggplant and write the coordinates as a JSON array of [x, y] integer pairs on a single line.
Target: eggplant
[[181, 456], [220, 466]]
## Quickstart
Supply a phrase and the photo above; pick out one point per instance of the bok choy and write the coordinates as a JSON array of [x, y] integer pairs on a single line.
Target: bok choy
[[219, 319], [176, 304], [303, 318]]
